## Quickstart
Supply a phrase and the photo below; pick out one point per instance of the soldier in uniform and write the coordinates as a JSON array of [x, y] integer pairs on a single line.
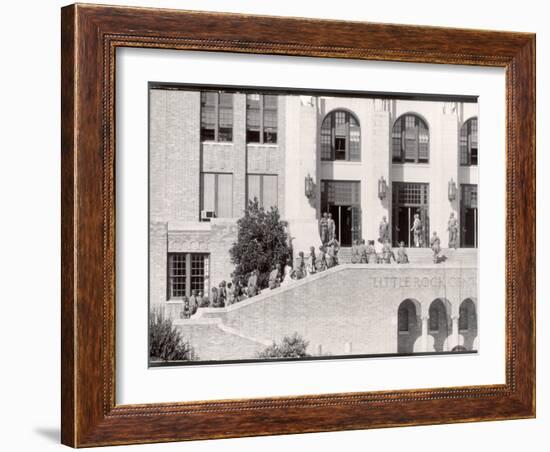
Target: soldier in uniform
[[383, 230], [322, 259], [323, 228], [452, 227], [402, 257], [370, 252], [417, 230], [186, 312], [387, 253], [331, 227], [252, 285], [332, 252], [222, 294], [435, 243], [312, 261], [355, 252], [301, 268], [194, 301], [274, 278]]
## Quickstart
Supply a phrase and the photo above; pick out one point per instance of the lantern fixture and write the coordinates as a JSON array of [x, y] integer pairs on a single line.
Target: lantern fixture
[[382, 188], [452, 190], [309, 186]]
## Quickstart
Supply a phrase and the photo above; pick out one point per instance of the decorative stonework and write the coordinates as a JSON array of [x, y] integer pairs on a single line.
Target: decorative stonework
[[188, 241]]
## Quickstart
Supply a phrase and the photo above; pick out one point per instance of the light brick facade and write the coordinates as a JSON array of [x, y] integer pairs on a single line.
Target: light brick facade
[[177, 158]]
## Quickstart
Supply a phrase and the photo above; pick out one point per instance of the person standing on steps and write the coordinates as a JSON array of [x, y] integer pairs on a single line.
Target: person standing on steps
[[417, 230]]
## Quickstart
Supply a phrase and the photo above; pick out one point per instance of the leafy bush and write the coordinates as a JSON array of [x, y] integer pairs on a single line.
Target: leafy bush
[[165, 341], [261, 244], [290, 347]]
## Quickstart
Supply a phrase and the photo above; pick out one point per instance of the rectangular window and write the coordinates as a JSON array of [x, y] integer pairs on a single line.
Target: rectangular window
[[186, 272], [264, 188], [217, 194], [177, 275], [261, 118], [216, 116]]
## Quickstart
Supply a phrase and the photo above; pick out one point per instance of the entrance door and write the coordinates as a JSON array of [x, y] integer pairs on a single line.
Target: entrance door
[[342, 200], [342, 216], [409, 199], [468, 216]]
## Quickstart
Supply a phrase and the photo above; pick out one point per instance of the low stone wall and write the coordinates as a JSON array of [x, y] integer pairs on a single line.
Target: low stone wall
[[350, 309]]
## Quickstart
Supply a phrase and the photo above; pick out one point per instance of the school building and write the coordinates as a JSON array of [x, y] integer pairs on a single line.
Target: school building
[[359, 158]]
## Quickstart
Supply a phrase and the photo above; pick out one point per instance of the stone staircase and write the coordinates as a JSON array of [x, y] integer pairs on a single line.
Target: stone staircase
[[464, 256]]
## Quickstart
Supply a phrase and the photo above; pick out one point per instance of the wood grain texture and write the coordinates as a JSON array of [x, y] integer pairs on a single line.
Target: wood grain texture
[[90, 36]]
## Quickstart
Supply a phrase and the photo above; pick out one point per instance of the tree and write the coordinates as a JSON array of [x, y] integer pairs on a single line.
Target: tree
[[290, 347], [165, 341], [261, 244]]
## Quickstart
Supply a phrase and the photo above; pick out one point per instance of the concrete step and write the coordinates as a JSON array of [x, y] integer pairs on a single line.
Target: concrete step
[[425, 255]]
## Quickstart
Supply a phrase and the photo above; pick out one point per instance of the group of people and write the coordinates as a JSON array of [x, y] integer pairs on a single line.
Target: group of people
[[227, 293], [362, 253]]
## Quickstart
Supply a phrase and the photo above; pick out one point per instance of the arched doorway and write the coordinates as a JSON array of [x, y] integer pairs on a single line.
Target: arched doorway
[[408, 326], [467, 323], [438, 323]]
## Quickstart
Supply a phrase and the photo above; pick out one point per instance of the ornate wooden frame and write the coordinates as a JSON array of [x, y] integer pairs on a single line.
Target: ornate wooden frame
[[90, 35]]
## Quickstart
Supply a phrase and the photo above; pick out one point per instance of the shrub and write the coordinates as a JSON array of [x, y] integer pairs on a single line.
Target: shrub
[[261, 244], [165, 341], [290, 347]]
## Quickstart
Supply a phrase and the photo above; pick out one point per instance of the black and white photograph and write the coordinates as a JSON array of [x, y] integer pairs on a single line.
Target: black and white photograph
[[294, 224]]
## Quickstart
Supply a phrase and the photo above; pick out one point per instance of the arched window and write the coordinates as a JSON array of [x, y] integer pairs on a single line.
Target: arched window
[[340, 137], [468, 143], [410, 140]]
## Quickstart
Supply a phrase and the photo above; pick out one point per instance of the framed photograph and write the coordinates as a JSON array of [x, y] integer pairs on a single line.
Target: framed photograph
[[280, 225]]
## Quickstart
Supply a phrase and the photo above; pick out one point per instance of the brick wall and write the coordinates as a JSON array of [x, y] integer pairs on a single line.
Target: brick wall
[[349, 309]]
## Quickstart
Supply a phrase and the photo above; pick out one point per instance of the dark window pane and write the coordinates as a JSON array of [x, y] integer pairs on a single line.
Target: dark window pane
[[176, 275], [326, 138], [340, 137], [253, 118], [410, 140]]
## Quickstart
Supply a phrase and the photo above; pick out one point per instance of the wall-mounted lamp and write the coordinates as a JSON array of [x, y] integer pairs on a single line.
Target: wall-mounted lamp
[[382, 188], [452, 190], [309, 187]]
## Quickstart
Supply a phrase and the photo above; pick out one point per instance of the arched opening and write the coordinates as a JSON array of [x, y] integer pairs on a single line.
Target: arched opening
[[468, 143], [410, 140], [340, 136], [438, 323], [408, 326], [467, 323]]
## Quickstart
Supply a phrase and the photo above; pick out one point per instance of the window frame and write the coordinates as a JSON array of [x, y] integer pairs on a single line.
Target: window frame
[[465, 149], [217, 109], [216, 193], [261, 116], [261, 199], [402, 121], [188, 273], [330, 119]]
